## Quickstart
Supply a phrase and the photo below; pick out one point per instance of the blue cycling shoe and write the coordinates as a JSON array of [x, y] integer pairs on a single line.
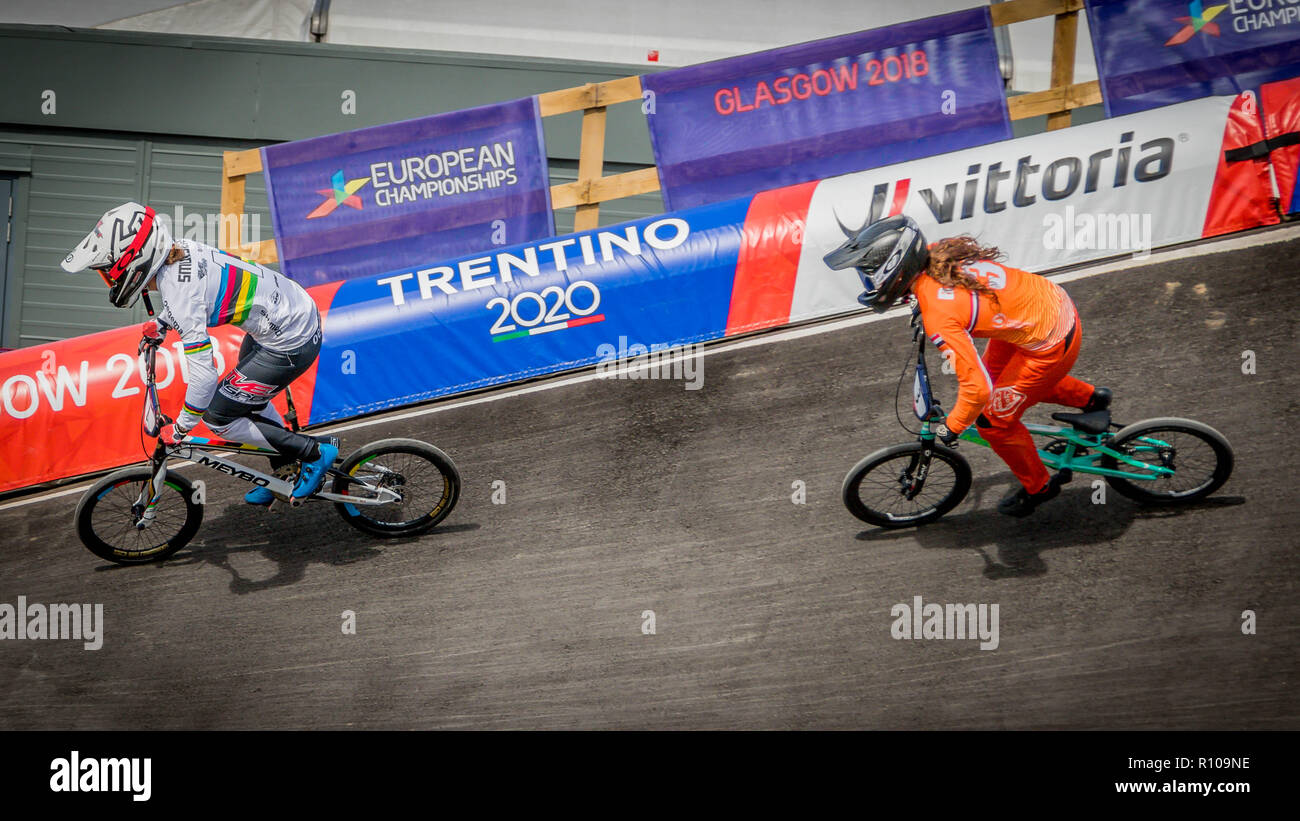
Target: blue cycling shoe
[[259, 496], [313, 473]]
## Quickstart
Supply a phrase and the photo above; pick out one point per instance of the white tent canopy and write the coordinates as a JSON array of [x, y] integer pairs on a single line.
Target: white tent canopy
[[637, 34]]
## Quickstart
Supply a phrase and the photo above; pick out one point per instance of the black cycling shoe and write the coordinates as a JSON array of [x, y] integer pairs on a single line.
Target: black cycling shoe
[[1021, 503], [1100, 400]]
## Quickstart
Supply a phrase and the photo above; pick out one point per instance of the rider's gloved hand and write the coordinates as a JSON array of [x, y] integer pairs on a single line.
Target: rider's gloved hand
[[152, 332], [944, 435], [173, 434]]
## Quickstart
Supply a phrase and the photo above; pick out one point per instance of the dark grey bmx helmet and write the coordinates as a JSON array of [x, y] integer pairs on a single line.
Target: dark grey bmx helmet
[[889, 255]]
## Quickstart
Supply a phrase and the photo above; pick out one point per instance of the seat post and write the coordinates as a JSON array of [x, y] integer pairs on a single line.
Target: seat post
[[291, 416]]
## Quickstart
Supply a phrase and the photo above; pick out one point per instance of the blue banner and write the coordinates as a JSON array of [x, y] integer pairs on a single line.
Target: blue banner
[[732, 127], [362, 202], [1158, 52], [418, 333]]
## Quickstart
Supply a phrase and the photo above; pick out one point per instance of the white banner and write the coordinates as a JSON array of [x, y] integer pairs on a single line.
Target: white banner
[[1124, 185]]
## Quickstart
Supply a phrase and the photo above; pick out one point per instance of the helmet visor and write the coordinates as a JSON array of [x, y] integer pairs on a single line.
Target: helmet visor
[[91, 252], [849, 252]]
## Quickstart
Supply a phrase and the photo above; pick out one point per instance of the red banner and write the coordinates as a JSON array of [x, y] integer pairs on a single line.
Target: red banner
[[73, 407]]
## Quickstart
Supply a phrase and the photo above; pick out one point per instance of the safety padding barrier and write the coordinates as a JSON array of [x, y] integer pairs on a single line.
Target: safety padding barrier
[[1122, 185], [1281, 145]]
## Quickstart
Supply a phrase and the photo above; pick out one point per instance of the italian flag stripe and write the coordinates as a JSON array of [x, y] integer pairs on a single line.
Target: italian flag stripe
[[545, 329]]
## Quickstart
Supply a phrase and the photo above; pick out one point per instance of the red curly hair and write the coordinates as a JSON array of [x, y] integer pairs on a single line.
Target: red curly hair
[[947, 256]]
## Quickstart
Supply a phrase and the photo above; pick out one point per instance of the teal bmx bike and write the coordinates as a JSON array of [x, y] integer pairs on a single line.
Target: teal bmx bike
[[1162, 461]]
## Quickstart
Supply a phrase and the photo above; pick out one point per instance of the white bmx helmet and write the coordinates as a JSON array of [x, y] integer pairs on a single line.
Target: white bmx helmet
[[126, 248]]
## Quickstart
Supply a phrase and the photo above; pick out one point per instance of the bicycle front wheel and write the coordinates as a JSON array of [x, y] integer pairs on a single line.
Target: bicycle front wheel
[[424, 478], [889, 488], [108, 527], [1200, 457]]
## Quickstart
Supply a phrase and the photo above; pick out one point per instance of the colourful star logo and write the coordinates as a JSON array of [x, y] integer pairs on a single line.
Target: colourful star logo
[[342, 193], [1198, 21]]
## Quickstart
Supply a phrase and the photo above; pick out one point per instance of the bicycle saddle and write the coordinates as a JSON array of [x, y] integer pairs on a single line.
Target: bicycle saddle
[[1095, 422]]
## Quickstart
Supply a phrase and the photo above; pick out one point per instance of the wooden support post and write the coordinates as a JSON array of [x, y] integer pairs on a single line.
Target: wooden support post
[[628, 184], [1064, 39], [591, 166], [232, 203], [592, 188], [1018, 11], [1038, 103], [235, 168]]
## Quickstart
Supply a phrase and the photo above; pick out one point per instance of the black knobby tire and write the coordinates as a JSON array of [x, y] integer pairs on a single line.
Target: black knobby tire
[[885, 505], [426, 477], [105, 524], [1201, 457]]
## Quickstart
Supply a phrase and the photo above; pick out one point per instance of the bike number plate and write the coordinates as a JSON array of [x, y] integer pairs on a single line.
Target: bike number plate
[[151, 420], [922, 402]]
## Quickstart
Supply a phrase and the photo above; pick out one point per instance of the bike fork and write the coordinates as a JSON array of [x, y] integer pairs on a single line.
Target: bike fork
[[913, 479], [145, 507]]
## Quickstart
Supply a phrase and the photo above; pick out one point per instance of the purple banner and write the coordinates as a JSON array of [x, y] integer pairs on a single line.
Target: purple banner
[[363, 202], [732, 127], [1158, 52]]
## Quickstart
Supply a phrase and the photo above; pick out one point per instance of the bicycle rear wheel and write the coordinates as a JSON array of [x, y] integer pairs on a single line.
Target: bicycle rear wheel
[[425, 479], [1200, 456], [106, 524], [876, 490]]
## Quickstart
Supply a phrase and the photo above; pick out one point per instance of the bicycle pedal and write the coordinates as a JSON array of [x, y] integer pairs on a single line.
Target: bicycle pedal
[[288, 473]]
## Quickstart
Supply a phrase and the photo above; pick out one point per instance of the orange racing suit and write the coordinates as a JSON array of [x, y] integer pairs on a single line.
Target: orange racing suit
[[1034, 336]]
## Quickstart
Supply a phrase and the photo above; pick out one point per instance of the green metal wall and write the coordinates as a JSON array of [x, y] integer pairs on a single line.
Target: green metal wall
[[271, 91], [66, 182]]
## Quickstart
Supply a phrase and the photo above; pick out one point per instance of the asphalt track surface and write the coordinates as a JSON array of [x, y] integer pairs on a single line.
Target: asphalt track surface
[[625, 496]]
